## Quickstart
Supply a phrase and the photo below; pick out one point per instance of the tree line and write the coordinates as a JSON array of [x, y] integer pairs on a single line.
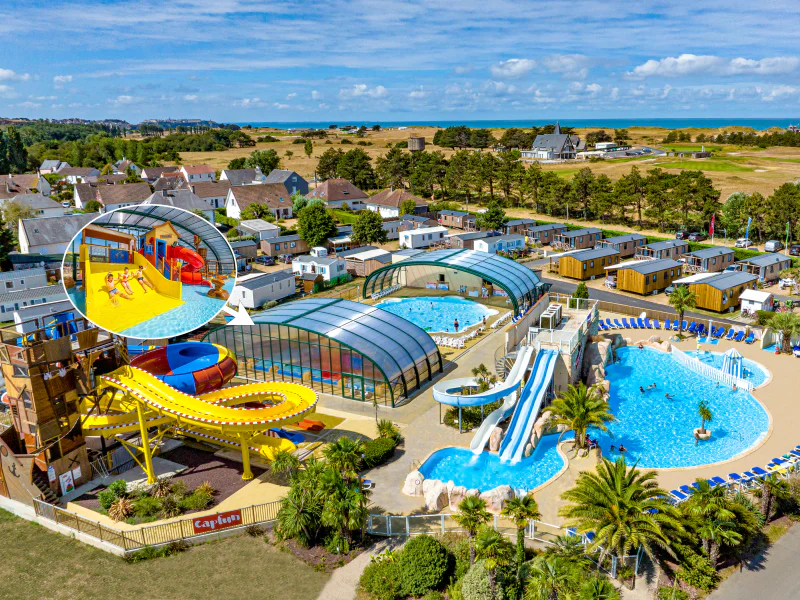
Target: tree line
[[13, 156], [739, 138]]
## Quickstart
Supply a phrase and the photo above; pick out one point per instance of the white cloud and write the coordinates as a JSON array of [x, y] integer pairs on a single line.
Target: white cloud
[[315, 95], [249, 103], [418, 93], [541, 97], [513, 68], [572, 66], [75, 105], [499, 88], [290, 96], [9, 75], [362, 89], [614, 93], [28, 105], [280, 106], [692, 64], [780, 91], [463, 69], [190, 97], [123, 100], [666, 91], [60, 81], [43, 98], [6, 91], [594, 88]]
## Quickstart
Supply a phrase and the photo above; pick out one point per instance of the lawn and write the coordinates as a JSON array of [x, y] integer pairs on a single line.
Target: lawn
[[705, 164], [38, 563], [693, 148]]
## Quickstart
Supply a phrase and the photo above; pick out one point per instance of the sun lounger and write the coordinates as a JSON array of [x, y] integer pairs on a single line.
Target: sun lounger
[[750, 338], [688, 490], [701, 330], [692, 327], [730, 335], [667, 324], [656, 324], [590, 535], [634, 324], [685, 325], [794, 454], [759, 472], [715, 331], [618, 325], [641, 324], [614, 325], [367, 484], [600, 325], [720, 332], [625, 323], [648, 324], [739, 337], [678, 495], [717, 480], [779, 461], [736, 478]]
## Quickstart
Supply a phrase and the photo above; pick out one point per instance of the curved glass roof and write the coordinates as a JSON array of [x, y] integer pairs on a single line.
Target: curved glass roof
[[392, 343], [520, 283], [137, 219]]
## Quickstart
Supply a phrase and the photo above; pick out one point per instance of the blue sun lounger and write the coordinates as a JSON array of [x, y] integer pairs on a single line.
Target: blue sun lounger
[[717, 480], [688, 490], [618, 325], [750, 338], [634, 324], [739, 337], [656, 324], [701, 330], [648, 324], [678, 495], [730, 335], [685, 325], [625, 323], [667, 324], [600, 325], [714, 331], [735, 478], [692, 327], [641, 324], [720, 332], [759, 472], [794, 454]]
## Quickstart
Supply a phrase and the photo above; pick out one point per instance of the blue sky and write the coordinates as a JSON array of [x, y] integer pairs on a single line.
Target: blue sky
[[333, 60]]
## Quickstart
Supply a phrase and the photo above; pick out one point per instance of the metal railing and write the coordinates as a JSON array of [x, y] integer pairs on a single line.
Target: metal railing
[[706, 370], [151, 535]]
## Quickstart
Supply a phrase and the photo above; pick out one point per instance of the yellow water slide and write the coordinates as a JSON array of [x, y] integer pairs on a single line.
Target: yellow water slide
[[217, 417]]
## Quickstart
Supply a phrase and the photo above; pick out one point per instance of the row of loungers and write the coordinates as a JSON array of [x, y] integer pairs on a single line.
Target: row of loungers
[[674, 325], [748, 479]]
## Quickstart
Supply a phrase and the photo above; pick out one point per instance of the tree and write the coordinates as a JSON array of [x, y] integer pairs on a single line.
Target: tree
[[481, 138], [621, 136], [510, 173], [394, 168], [258, 211], [368, 229], [581, 292], [772, 488], [308, 147], [200, 213], [581, 188], [624, 507], [344, 508], [493, 218], [429, 170], [266, 160], [579, 408], [682, 299], [521, 510], [6, 243], [483, 377], [315, 224], [238, 163], [492, 546], [472, 515], [299, 202], [714, 511], [4, 164], [632, 191], [285, 462], [92, 206], [787, 325], [344, 455], [301, 508], [14, 211], [356, 166], [328, 164], [17, 155], [552, 577], [659, 199], [408, 207], [705, 415], [131, 176]]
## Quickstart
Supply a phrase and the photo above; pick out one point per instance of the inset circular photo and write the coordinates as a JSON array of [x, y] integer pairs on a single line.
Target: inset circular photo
[[149, 271]]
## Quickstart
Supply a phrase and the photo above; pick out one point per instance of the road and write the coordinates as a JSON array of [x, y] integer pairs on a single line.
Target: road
[[771, 576]]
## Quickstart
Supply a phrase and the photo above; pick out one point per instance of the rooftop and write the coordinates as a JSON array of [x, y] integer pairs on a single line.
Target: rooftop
[[273, 195], [54, 230], [258, 225], [548, 227], [259, 281], [646, 267], [49, 292], [319, 260], [579, 232], [243, 176], [592, 253], [394, 198], [710, 252], [424, 230], [280, 175], [184, 199], [723, 281], [211, 189], [621, 239], [36, 201], [666, 244], [454, 213], [765, 260], [334, 190], [22, 274]]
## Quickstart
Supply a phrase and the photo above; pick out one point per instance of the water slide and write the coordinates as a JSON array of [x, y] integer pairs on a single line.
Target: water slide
[[512, 383], [528, 407], [193, 262]]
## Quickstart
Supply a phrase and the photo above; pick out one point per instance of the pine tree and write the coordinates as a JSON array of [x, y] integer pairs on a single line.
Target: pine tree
[[17, 156], [3, 153]]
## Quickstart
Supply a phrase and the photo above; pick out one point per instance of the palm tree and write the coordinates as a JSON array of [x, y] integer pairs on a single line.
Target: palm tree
[[472, 515], [787, 324], [496, 549], [580, 408], [705, 415], [598, 588], [716, 533], [344, 505], [682, 299], [624, 507], [709, 504], [552, 577], [285, 462], [345, 455], [484, 378], [521, 511], [772, 488]]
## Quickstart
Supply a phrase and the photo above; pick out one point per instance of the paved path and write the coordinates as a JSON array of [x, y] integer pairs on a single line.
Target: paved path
[[344, 581], [771, 576]]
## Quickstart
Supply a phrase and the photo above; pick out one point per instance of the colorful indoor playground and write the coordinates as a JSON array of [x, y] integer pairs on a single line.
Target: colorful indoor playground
[[150, 271]]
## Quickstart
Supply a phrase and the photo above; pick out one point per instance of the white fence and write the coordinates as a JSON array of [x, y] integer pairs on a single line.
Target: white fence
[[702, 368]]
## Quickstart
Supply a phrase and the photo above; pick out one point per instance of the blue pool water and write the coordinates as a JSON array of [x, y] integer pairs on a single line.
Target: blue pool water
[[438, 313], [657, 432], [752, 371], [197, 309], [485, 471]]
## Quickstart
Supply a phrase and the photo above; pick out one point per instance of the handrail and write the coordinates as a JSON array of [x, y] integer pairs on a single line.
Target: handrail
[[708, 371]]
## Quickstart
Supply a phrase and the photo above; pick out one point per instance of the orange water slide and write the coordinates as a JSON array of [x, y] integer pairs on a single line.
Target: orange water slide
[[193, 263]]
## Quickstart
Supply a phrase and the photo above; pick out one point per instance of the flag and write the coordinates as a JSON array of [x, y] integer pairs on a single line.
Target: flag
[[711, 229], [747, 231]]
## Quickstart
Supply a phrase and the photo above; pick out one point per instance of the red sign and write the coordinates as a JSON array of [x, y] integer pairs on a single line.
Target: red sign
[[211, 523]]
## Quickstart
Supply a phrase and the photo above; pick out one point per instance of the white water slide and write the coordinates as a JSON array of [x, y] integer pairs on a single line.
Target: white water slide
[[528, 407]]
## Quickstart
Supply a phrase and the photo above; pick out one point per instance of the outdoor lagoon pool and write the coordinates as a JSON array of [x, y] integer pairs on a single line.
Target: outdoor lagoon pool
[[437, 314], [485, 471], [658, 432]]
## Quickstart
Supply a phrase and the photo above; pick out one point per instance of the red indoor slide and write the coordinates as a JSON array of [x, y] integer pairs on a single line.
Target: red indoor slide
[[193, 262]]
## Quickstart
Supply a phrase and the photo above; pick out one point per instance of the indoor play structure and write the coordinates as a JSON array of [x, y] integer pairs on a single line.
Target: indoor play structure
[[178, 390]]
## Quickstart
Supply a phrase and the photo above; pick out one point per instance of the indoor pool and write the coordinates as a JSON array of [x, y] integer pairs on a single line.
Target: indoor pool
[[485, 471], [197, 309], [437, 313], [752, 371], [658, 432]]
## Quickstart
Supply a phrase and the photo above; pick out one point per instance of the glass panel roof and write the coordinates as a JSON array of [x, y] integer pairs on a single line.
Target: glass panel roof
[[391, 342]]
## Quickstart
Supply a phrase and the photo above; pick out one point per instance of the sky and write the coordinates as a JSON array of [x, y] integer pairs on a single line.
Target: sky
[[334, 60]]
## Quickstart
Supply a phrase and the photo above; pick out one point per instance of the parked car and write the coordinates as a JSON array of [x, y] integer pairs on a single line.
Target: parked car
[[669, 289], [681, 235], [786, 282], [773, 246], [730, 269], [66, 204], [697, 236], [286, 258], [743, 243], [794, 250], [265, 260]]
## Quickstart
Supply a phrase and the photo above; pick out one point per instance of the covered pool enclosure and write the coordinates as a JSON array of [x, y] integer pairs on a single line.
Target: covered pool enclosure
[[335, 346], [467, 272]]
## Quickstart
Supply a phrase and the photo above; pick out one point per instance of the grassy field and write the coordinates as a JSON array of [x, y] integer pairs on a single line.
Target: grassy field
[[40, 564], [706, 165]]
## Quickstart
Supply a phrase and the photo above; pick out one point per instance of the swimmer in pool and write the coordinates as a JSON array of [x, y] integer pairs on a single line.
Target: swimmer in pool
[[669, 397], [113, 292]]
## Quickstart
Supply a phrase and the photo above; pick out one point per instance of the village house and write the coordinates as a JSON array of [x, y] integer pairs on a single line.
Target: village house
[[422, 238], [255, 290], [767, 267], [212, 193], [500, 243], [51, 166], [242, 176], [73, 175], [544, 234], [151, 174], [198, 173], [284, 244], [416, 222], [578, 239], [516, 226], [667, 249], [184, 199], [555, 146], [708, 260], [121, 167], [50, 235], [456, 219], [645, 276], [338, 192], [28, 183], [293, 182], [362, 261], [388, 202], [466, 240], [271, 195], [719, 291], [39, 205], [260, 228], [119, 196], [328, 267], [584, 264], [626, 245], [20, 289]]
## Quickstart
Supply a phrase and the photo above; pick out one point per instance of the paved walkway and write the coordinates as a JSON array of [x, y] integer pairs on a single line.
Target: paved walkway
[[344, 581]]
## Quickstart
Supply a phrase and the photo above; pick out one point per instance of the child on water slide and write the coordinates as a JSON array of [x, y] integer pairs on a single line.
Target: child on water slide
[[141, 279], [124, 280], [113, 292]]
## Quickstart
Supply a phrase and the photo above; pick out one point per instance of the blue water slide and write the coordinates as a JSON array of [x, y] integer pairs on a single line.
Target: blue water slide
[[528, 407]]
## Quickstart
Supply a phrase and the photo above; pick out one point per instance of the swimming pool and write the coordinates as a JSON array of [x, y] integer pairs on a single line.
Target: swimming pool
[[437, 314], [657, 432], [752, 371], [485, 471]]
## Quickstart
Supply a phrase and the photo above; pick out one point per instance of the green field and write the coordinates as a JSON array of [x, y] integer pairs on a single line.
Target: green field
[[692, 148], [708, 164], [40, 564]]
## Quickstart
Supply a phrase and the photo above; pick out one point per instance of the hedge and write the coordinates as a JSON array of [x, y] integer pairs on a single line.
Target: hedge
[[381, 580], [378, 451], [424, 564]]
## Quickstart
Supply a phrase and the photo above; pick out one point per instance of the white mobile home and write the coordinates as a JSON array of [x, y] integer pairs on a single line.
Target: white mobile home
[[422, 238]]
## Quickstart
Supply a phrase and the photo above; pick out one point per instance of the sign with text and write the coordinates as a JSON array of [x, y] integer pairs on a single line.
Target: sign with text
[[211, 523]]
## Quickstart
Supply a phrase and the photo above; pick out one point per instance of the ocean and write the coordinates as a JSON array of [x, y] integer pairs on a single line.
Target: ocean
[[757, 124]]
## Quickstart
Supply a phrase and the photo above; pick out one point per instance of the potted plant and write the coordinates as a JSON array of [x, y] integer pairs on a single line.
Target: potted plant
[[701, 433]]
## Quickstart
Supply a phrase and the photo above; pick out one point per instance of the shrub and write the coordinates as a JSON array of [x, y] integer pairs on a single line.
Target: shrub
[[106, 499], [378, 451], [423, 564], [298, 141], [121, 509], [197, 500], [387, 429], [146, 506], [345, 142], [177, 546], [381, 580], [458, 545], [170, 507], [763, 317], [666, 593], [119, 488], [146, 553], [470, 416], [336, 543], [255, 530], [206, 487], [475, 585], [162, 487], [696, 570], [433, 595]]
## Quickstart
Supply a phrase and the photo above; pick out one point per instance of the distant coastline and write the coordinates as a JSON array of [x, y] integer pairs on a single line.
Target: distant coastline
[[757, 124]]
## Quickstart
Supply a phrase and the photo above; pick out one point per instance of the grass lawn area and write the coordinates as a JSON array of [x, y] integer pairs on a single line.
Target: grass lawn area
[[696, 147], [38, 563], [705, 165]]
